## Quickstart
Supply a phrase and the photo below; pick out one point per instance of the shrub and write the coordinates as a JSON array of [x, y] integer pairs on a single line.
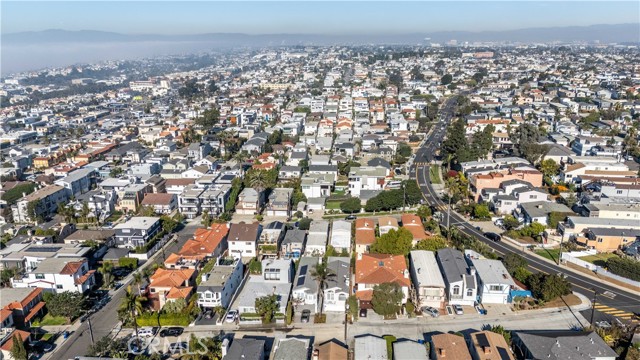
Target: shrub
[[624, 267], [131, 263], [320, 319]]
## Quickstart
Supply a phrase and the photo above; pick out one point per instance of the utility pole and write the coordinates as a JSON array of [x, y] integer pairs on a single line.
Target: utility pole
[[449, 219], [90, 330], [560, 253], [593, 306]]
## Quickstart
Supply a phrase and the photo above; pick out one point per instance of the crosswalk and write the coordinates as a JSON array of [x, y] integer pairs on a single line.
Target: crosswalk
[[620, 314]]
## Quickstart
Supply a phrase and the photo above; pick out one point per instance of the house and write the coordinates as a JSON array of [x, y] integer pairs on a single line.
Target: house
[[330, 350], [386, 224], [77, 182], [365, 234], [449, 346], [104, 237], [292, 349], [45, 203], [247, 349], [59, 275], [607, 240], [341, 235], [370, 347], [167, 285], [292, 246], [190, 201], [270, 238], [561, 345], [337, 288], [243, 239], [427, 279], [478, 182], [316, 186], [409, 350], [305, 287], [413, 223], [494, 281], [6, 344], [221, 283], [366, 178], [207, 243], [137, 231], [279, 203], [375, 269], [459, 278], [176, 261], [276, 278], [23, 305], [250, 202], [487, 345], [289, 173], [317, 238], [161, 203], [538, 211]]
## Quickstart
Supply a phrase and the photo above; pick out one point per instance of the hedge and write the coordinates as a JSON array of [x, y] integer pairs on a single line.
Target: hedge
[[166, 319], [627, 268], [131, 263]]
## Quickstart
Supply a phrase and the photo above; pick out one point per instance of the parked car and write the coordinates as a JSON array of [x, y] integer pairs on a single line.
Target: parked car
[[208, 314], [146, 331], [458, 310], [232, 315], [492, 236], [363, 313], [431, 311], [171, 331], [306, 315], [351, 217], [117, 285]]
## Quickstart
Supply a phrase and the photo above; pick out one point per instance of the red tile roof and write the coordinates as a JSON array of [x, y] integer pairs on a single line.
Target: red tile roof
[[381, 268]]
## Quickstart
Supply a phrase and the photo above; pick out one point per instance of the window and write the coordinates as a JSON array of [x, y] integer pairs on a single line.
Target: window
[[619, 192], [495, 287], [456, 290], [469, 292], [330, 296], [58, 286], [39, 276]]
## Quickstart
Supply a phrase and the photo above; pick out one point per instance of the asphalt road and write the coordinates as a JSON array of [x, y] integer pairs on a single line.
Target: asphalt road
[[105, 320], [612, 302]]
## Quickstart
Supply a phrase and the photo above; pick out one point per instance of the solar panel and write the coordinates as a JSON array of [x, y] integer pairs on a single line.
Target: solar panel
[[300, 280], [303, 270], [44, 249], [482, 340]]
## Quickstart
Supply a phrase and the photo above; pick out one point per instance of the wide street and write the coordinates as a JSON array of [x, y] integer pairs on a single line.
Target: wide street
[[105, 320], [625, 302]]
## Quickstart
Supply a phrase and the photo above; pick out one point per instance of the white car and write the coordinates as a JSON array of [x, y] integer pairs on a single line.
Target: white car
[[458, 310], [231, 316]]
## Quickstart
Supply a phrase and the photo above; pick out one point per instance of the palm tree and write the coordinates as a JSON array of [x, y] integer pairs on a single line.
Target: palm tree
[[241, 156], [132, 304], [138, 279], [105, 270], [258, 180], [321, 274]]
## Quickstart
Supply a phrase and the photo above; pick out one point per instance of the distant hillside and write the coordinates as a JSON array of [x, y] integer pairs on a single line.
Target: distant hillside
[[604, 33]]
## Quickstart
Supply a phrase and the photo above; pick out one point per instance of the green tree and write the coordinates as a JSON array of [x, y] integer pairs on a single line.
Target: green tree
[[549, 167], [481, 212], [66, 304], [322, 274], [18, 351], [32, 210], [434, 243], [412, 192], [387, 299], [304, 224], [147, 210], [208, 119], [266, 306], [395, 242], [498, 329], [168, 224], [571, 200], [206, 219], [446, 79], [513, 261], [548, 287], [351, 205], [456, 143], [424, 212], [482, 141]]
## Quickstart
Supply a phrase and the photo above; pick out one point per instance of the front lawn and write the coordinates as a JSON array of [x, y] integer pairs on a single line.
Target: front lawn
[[551, 254], [599, 259], [49, 320], [333, 205]]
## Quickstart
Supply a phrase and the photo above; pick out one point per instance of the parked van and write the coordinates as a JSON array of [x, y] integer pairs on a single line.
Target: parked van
[[394, 184]]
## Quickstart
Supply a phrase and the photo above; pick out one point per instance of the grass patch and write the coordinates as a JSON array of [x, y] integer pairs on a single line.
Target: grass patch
[[205, 270], [114, 216], [390, 340], [338, 193], [434, 174], [47, 337], [49, 320], [551, 254], [599, 259], [333, 205]]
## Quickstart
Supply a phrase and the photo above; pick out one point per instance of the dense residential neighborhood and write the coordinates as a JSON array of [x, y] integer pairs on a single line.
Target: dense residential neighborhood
[[426, 202]]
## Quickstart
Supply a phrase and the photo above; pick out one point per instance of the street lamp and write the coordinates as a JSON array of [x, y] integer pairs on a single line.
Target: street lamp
[[346, 314], [593, 306]]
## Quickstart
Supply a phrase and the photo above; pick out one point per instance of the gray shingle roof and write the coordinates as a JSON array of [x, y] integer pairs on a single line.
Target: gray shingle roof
[[563, 345]]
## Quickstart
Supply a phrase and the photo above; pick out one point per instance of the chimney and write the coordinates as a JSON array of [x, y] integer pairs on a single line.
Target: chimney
[[316, 354], [442, 352], [472, 270], [486, 350], [225, 347], [406, 274], [205, 277], [359, 256]]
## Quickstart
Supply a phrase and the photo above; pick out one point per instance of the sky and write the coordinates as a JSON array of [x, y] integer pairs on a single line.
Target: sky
[[308, 17]]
